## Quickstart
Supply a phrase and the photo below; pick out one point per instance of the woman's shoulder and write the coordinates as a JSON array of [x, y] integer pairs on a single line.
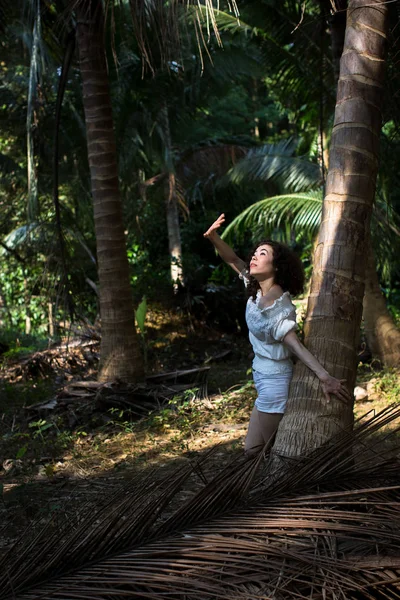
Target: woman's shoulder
[[277, 305], [271, 297]]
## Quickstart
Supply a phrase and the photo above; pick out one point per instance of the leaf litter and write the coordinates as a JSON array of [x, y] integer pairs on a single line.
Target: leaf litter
[[207, 523]]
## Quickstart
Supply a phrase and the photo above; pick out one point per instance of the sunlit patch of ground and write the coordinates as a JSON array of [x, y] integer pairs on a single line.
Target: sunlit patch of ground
[[383, 388], [183, 430]]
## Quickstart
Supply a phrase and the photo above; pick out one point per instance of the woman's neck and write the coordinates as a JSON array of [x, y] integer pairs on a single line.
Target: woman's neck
[[266, 285]]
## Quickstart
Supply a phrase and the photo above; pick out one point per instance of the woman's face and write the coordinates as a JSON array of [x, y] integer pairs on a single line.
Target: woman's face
[[261, 264]]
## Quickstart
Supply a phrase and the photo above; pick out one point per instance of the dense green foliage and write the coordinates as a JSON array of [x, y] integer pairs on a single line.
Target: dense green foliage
[[254, 108]]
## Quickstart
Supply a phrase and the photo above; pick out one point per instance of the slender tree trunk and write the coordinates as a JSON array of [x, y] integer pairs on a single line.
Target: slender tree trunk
[[51, 319], [173, 226], [382, 335], [33, 208], [27, 303], [337, 288], [256, 128], [120, 354], [174, 233]]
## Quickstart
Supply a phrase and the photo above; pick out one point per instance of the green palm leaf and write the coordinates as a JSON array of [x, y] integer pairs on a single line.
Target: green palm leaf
[[276, 162], [299, 212]]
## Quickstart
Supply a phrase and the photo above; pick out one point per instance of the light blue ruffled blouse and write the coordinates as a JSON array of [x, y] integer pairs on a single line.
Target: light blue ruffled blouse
[[267, 328]]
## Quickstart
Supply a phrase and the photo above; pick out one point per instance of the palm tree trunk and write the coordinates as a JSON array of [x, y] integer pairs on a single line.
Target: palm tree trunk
[[173, 226], [120, 354], [382, 335], [337, 288]]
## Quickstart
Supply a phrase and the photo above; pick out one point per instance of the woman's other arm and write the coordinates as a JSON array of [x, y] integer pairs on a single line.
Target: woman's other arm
[[225, 251], [330, 385]]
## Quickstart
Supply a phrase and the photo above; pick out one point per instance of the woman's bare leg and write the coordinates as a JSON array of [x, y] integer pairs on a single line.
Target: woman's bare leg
[[254, 439], [262, 428], [269, 423]]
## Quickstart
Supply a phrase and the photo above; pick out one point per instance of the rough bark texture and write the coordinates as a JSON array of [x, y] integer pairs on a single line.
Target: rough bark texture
[[120, 353], [337, 288], [382, 335]]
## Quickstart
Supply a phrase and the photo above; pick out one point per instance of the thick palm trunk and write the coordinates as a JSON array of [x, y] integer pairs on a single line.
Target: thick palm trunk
[[382, 335], [173, 226], [120, 354], [337, 288]]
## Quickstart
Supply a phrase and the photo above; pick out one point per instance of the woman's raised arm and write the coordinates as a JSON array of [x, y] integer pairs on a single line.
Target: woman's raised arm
[[223, 249]]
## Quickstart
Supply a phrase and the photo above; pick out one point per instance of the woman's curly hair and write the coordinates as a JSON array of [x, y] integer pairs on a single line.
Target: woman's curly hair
[[289, 272]]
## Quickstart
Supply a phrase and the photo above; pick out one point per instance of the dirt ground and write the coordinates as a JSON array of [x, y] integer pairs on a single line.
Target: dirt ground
[[56, 459]]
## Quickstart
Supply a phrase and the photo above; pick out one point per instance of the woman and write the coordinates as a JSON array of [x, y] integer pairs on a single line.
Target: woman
[[273, 275]]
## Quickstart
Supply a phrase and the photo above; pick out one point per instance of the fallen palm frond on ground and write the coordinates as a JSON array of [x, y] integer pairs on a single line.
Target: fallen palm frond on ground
[[60, 360], [326, 526], [141, 398]]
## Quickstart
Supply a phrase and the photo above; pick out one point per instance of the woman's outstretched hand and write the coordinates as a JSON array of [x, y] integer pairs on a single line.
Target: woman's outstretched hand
[[215, 226], [331, 385], [223, 249]]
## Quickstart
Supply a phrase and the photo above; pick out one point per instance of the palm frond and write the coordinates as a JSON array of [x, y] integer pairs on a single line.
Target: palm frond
[[324, 526], [276, 162], [231, 22], [291, 212], [165, 19]]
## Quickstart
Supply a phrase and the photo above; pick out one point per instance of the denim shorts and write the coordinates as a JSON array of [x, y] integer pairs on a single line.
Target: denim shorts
[[272, 392]]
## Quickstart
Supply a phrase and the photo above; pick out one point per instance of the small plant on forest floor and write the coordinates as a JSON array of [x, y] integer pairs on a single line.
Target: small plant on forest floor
[[120, 419], [189, 414], [39, 427], [388, 384], [182, 412]]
